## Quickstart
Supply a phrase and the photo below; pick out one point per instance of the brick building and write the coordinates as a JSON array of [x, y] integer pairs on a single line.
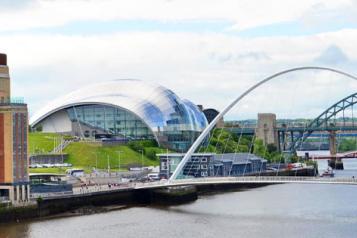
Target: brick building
[[14, 178]]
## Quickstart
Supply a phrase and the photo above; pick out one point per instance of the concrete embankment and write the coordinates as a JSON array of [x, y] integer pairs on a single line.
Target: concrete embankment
[[97, 202], [11, 214], [174, 195], [221, 188]]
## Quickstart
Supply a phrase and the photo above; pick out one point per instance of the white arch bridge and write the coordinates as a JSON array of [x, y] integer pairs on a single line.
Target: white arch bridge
[[247, 180], [173, 181]]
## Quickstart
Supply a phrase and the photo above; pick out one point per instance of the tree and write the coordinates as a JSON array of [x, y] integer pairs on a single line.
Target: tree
[[259, 148], [271, 148], [347, 145], [38, 128]]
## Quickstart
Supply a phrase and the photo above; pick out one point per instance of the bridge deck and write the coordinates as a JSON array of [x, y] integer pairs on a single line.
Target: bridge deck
[[95, 190], [247, 180]]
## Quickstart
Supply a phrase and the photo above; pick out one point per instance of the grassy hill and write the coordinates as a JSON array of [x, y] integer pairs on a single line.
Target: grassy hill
[[87, 154], [42, 142]]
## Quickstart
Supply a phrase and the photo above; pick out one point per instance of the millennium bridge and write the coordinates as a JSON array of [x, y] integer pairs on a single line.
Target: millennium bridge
[[247, 180]]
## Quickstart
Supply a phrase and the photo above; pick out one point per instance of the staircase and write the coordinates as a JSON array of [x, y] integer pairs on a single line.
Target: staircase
[[64, 143]]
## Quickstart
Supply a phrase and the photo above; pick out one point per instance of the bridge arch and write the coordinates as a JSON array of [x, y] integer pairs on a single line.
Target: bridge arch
[[211, 125], [323, 118]]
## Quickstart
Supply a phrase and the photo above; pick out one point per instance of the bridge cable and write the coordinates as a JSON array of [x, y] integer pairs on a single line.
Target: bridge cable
[[237, 147], [250, 151], [301, 144]]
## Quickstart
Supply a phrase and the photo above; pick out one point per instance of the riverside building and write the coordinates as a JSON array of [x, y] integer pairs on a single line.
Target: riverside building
[[125, 109], [14, 177], [212, 165]]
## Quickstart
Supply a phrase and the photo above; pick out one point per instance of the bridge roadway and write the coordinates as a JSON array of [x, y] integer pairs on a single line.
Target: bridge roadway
[[100, 189], [345, 155], [301, 129], [247, 180]]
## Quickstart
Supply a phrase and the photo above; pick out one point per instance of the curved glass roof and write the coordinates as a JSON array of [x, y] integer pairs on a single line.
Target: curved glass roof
[[160, 108]]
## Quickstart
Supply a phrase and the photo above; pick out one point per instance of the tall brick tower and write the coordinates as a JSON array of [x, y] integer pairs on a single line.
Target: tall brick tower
[[14, 178], [266, 129]]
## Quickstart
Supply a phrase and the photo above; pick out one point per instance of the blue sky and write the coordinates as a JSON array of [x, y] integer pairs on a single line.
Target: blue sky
[[221, 47]]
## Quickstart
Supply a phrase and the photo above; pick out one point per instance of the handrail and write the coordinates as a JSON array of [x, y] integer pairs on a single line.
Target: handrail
[[247, 179]]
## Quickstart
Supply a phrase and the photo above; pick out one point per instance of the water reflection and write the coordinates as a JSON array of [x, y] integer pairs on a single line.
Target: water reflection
[[14, 230]]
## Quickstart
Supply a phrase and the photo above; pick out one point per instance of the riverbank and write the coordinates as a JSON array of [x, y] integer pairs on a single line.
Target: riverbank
[[86, 204], [284, 210], [99, 201]]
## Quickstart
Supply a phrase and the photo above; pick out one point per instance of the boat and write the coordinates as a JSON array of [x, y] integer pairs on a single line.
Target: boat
[[328, 173]]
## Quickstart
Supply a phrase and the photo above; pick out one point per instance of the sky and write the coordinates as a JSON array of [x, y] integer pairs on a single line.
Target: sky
[[208, 51]]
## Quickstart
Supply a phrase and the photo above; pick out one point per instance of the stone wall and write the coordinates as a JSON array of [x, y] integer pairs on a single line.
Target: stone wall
[[48, 159]]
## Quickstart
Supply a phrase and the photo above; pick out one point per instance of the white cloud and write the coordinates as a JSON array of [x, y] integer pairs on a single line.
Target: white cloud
[[333, 55], [243, 14], [210, 69], [324, 14], [44, 67]]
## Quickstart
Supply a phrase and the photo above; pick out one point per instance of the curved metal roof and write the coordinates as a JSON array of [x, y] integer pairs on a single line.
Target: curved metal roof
[[158, 107]]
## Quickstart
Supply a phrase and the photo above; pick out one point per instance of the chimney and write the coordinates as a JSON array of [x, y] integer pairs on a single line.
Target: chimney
[[3, 59]]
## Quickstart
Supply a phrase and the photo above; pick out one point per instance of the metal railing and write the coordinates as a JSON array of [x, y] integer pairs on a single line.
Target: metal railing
[[92, 189], [12, 100], [247, 179]]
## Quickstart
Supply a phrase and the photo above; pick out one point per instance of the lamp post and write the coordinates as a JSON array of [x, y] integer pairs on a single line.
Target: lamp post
[[168, 165], [54, 144], [96, 160], [142, 159], [119, 152], [108, 165]]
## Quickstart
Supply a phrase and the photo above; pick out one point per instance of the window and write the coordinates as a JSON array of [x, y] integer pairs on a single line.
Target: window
[[204, 174], [86, 134], [164, 165]]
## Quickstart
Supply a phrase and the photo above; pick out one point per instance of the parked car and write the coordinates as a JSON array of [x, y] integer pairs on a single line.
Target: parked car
[[153, 176]]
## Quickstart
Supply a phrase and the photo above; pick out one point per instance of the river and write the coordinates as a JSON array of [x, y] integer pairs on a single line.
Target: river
[[285, 210]]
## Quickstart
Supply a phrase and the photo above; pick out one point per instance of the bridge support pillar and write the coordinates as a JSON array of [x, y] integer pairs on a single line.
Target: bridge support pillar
[[266, 129], [281, 141], [334, 162], [332, 141], [291, 136]]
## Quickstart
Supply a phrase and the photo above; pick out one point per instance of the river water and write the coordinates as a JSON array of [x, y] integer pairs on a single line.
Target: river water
[[286, 210]]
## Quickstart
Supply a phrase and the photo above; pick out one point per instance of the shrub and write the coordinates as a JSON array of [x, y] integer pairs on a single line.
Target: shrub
[[151, 154], [136, 146]]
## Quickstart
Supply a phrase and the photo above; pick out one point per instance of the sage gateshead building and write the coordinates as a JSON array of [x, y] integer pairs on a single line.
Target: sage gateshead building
[[124, 109]]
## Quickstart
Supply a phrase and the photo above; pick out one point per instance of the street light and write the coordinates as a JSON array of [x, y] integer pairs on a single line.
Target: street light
[[108, 165], [142, 159], [119, 152], [96, 160], [168, 164]]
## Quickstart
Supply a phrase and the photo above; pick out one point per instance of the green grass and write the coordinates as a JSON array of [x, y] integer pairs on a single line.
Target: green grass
[[84, 155], [49, 170], [42, 142]]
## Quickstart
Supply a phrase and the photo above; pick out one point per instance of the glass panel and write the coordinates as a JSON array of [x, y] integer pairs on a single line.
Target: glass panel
[[112, 120]]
